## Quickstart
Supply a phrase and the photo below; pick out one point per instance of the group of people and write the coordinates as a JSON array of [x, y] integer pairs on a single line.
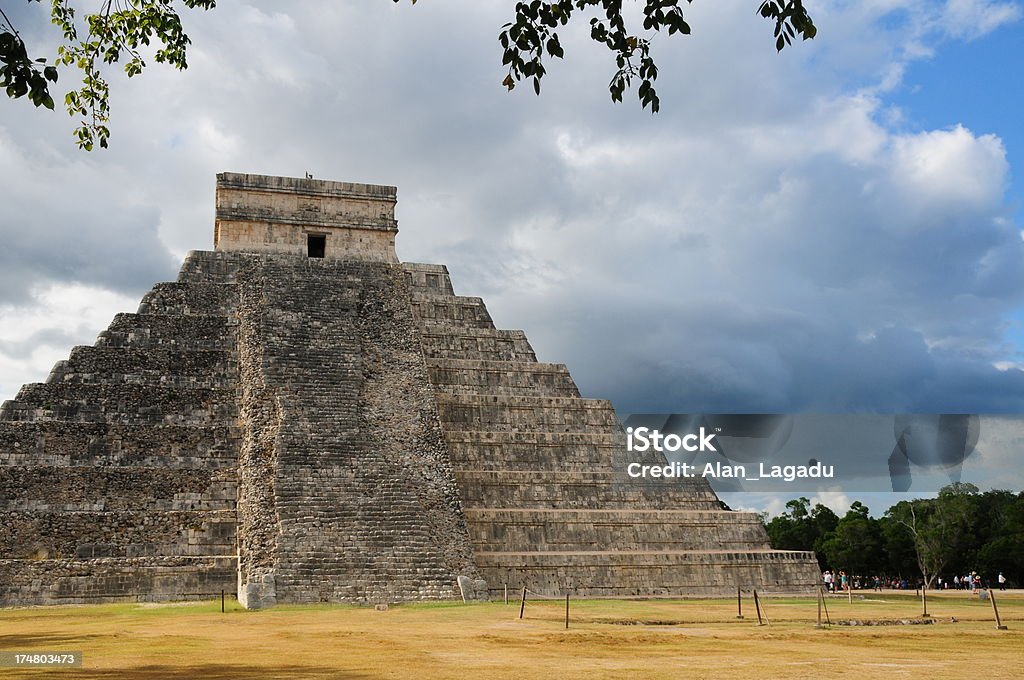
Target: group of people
[[834, 582], [971, 581], [841, 581]]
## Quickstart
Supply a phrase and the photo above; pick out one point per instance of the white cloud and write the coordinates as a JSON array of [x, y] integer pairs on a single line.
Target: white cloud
[[944, 170], [975, 18], [34, 336]]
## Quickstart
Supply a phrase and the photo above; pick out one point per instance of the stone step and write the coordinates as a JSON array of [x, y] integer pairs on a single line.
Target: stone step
[[190, 298], [55, 443], [514, 413], [450, 341], [513, 378], [364, 591], [544, 451], [621, 574], [489, 453], [573, 490], [453, 309], [428, 278], [540, 451], [92, 488], [140, 579], [357, 553], [204, 266], [131, 533], [499, 438], [210, 332], [153, 366], [523, 530], [129, 404], [354, 519]]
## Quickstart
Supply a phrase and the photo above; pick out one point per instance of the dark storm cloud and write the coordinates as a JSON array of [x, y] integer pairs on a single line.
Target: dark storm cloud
[[50, 337], [66, 227]]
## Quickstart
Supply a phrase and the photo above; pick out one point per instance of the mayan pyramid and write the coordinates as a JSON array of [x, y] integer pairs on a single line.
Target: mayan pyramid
[[302, 418]]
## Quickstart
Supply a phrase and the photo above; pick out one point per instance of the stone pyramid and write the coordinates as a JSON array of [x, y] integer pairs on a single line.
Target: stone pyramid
[[302, 418]]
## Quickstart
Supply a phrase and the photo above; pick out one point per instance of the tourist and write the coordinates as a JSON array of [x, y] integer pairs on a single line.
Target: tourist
[[1002, 581]]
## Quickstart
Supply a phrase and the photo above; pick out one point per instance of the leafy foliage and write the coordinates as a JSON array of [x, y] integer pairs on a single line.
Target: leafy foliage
[[20, 75], [118, 29], [856, 541], [803, 528], [960, 531], [532, 36], [124, 29], [938, 526]]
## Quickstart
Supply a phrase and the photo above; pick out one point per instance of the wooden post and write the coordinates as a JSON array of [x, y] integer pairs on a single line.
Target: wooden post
[[849, 591], [821, 598], [757, 606], [222, 602], [522, 607], [739, 604], [924, 602], [824, 604], [567, 611], [506, 593], [995, 610]]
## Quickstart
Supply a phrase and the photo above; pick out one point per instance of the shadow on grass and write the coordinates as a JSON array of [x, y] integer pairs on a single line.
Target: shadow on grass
[[215, 672], [44, 641]]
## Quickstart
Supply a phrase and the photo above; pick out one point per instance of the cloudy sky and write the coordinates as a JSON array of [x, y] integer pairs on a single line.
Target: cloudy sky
[[836, 228]]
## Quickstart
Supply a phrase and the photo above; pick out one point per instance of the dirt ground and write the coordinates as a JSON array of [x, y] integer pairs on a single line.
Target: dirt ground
[[606, 639]]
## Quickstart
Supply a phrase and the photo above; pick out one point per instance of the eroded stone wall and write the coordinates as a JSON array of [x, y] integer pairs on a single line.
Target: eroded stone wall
[[118, 476], [541, 474]]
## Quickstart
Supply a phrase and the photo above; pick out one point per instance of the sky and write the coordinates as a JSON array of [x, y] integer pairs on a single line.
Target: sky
[[836, 228]]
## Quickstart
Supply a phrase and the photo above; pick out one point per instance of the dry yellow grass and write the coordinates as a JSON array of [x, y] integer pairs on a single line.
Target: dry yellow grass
[[690, 638]]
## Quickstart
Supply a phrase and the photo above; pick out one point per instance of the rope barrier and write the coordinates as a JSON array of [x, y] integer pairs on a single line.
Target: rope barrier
[[545, 597], [522, 608]]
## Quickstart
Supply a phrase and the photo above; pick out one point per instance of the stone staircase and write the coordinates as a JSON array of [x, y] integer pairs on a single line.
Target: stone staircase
[[364, 500]]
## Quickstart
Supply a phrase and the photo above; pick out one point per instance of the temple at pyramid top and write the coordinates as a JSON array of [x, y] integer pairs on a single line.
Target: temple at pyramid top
[[305, 216]]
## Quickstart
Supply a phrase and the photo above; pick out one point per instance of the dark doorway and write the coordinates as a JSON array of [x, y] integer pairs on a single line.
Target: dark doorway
[[315, 245]]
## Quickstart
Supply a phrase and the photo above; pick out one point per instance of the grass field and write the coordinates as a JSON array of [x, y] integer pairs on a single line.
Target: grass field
[[611, 639]]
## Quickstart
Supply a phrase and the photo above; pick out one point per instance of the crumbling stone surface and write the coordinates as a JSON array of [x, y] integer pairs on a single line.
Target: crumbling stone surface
[[142, 579], [118, 476], [363, 505], [260, 418]]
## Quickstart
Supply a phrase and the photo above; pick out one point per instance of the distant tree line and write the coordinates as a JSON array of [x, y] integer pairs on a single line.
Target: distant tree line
[[959, 532]]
